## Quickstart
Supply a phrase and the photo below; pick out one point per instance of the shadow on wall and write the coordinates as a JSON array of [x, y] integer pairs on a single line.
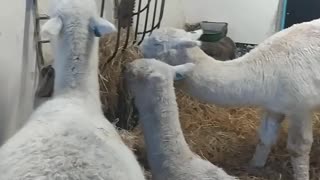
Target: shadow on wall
[[3, 106]]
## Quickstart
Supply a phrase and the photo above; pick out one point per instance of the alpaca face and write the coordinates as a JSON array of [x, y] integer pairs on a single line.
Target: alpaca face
[[168, 40], [145, 75]]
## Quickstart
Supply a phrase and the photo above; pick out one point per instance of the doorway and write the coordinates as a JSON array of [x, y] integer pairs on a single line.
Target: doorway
[[301, 11]]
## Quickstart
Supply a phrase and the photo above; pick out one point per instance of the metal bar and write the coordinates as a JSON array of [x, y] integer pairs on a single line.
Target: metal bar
[[116, 47], [102, 8], [147, 31], [161, 13], [44, 41], [159, 21], [43, 17], [154, 14], [39, 57], [141, 10], [127, 37], [137, 24], [146, 23]]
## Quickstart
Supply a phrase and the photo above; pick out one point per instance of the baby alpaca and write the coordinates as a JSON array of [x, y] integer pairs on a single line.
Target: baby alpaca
[[280, 75], [67, 137], [169, 156]]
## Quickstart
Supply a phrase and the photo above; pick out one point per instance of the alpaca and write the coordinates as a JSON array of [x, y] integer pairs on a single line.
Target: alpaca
[[68, 137], [281, 75], [169, 156]]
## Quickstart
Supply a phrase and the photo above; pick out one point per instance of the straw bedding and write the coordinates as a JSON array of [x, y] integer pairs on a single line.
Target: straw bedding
[[225, 136], [113, 94]]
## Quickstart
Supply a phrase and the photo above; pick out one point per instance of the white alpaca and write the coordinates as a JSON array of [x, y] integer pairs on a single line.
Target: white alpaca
[[280, 75], [68, 137], [169, 156]]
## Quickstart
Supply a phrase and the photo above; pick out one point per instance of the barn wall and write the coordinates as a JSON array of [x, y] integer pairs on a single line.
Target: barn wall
[[173, 13], [17, 68], [250, 21]]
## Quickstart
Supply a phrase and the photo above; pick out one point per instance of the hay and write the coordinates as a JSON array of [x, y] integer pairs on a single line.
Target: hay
[[116, 103], [225, 136], [129, 138]]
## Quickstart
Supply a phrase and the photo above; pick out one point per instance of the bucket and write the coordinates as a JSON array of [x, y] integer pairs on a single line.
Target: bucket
[[213, 31]]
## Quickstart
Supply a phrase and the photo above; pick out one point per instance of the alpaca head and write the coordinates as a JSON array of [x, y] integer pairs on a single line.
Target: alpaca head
[[69, 16], [166, 41], [146, 75]]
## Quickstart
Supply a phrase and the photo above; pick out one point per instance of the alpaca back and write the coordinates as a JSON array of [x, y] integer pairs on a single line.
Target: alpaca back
[[68, 137], [67, 142]]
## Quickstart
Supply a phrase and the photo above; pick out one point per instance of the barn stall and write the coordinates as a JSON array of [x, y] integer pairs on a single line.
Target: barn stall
[[225, 136]]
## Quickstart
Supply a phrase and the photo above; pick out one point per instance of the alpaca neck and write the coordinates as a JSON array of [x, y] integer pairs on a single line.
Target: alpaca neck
[[242, 81], [163, 136], [77, 66]]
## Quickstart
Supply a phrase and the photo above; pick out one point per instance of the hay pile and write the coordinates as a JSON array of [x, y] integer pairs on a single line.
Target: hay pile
[[225, 136], [115, 99]]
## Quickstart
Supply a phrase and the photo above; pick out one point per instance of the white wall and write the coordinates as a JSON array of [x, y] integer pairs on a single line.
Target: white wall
[[250, 21], [17, 68], [174, 14]]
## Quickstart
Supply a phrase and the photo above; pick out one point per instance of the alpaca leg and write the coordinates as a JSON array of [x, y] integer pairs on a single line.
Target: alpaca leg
[[268, 134], [299, 144]]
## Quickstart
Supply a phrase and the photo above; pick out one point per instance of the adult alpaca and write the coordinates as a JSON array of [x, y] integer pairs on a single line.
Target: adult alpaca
[[68, 137], [281, 75]]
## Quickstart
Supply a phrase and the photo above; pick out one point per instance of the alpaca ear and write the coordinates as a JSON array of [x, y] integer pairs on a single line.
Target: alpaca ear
[[51, 28], [182, 70], [101, 26], [185, 43]]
